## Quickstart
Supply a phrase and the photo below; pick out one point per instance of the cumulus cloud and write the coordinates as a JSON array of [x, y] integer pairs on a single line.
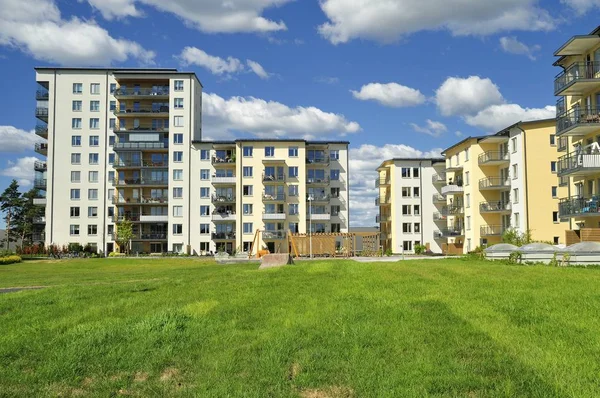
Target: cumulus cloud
[[497, 117], [390, 20], [21, 170], [581, 6], [390, 94], [514, 46], [211, 16], [220, 66], [258, 69], [37, 28], [432, 128], [15, 140], [269, 119], [460, 96], [363, 162]]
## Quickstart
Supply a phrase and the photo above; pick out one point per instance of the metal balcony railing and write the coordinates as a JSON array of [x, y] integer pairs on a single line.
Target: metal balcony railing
[[575, 73], [155, 91], [493, 156], [41, 130], [42, 95], [494, 206], [139, 163], [142, 110], [452, 210], [560, 106], [575, 163], [41, 113], [39, 220], [381, 181], [223, 235], [494, 182], [140, 181], [318, 198], [491, 230], [381, 219], [226, 161], [315, 181], [448, 232], [273, 178], [274, 235], [578, 121], [223, 198], [280, 197], [151, 236], [40, 166], [577, 206], [140, 145]]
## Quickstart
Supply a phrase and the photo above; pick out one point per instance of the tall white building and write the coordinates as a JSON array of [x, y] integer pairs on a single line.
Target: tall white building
[[127, 144]]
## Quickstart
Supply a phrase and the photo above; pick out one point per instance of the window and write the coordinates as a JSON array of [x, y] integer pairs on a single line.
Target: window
[[92, 211], [553, 166], [406, 210], [77, 106], [293, 209], [204, 154], [205, 210], [74, 229], [74, 211], [468, 200], [514, 144], [77, 88], [113, 88], [111, 193], [111, 124], [556, 240], [178, 103], [205, 174], [406, 227], [93, 158], [248, 229], [76, 176], [467, 178], [178, 156], [466, 154], [406, 192], [554, 192], [95, 88], [516, 195], [247, 208], [94, 123], [247, 171], [76, 123], [75, 158], [178, 138], [468, 222], [205, 192], [417, 228], [178, 85], [517, 220], [334, 154], [269, 151], [416, 192], [552, 139], [111, 158], [177, 211], [334, 174], [417, 210], [75, 140], [293, 190], [177, 174], [178, 193], [405, 172], [555, 217], [247, 151], [94, 140], [94, 106], [293, 152], [178, 121], [415, 172], [336, 227], [247, 190], [92, 194], [293, 172], [407, 245], [111, 176], [515, 171], [177, 229], [93, 176], [75, 194], [204, 229]]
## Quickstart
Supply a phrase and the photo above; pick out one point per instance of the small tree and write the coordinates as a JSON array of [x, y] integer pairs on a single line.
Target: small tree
[[516, 238], [28, 213], [124, 234], [11, 204]]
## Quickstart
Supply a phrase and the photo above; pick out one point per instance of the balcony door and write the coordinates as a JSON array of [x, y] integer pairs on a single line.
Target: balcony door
[[505, 221]]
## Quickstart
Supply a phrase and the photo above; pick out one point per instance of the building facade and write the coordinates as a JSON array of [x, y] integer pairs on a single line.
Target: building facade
[[411, 206]]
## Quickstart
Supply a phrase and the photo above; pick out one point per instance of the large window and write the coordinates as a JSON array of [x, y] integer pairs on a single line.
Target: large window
[[205, 192], [92, 211], [293, 171], [269, 151], [204, 174], [93, 176], [247, 151], [248, 190], [405, 172], [177, 174], [178, 121], [334, 154], [177, 211], [406, 210], [178, 156], [75, 158], [204, 229], [205, 210], [406, 227], [406, 192], [178, 138], [94, 123], [75, 140], [247, 208], [204, 154]]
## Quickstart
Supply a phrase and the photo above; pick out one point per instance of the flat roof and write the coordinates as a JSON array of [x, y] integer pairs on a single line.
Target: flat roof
[[478, 138], [432, 160], [577, 45], [270, 140]]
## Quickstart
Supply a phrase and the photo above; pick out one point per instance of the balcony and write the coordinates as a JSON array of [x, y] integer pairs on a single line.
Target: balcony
[[223, 216], [229, 180], [454, 167], [318, 198], [453, 232], [271, 178], [317, 181], [39, 220], [136, 92], [42, 95], [578, 122], [150, 236], [382, 181], [382, 219], [140, 111], [495, 207], [125, 164], [223, 236], [42, 114], [437, 198], [222, 199], [324, 161], [280, 197], [578, 164], [141, 128], [318, 216], [42, 130], [492, 230], [578, 79], [140, 146], [438, 178], [128, 217], [40, 166], [38, 237], [218, 162], [128, 182], [42, 148], [563, 142], [453, 189], [40, 183], [383, 201], [452, 210], [274, 235], [579, 207], [141, 201], [439, 216], [274, 216], [40, 201], [493, 158], [494, 183]]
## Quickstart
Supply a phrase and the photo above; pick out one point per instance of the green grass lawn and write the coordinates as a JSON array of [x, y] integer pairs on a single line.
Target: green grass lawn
[[174, 327]]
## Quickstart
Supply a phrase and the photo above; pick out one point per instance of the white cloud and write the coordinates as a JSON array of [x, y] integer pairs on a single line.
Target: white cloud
[[216, 65], [15, 140], [37, 28], [115, 9], [458, 134], [514, 46], [258, 69], [390, 20], [327, 79], [363, 162], [390, 94], [224, 117], [460, 96], [432, 128], [497, 117], [581, 6], [21, 170], [211, 16]]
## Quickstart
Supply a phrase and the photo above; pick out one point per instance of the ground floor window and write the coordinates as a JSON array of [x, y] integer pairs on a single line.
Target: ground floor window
[[178, 247], [407, 245]]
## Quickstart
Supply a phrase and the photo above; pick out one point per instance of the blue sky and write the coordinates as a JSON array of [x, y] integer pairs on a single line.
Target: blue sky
[[394, 77]]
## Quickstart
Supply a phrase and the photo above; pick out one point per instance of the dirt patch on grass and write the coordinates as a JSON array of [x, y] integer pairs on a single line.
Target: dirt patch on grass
[[294, 370], [329, 392], [62, 390], [88, 381], [140, 377], [169, 374]]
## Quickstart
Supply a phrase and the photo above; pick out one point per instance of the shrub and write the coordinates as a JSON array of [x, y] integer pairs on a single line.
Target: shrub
[[10, 260], [388, 252], [515, 258], [516, 238], [116, 254], [420, 249]]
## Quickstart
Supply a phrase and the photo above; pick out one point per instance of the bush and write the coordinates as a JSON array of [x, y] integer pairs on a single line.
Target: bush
[[10, 260], [420, 249], [116, 254], [388, 252], [515, 258]]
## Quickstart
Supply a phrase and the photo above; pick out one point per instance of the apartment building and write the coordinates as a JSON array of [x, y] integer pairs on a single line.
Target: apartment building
[[411, 206], [127, 144], [501, 181], [578, 132]]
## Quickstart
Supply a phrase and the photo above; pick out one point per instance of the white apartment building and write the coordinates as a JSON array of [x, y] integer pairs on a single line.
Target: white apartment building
[[411, 206], [127, 144]]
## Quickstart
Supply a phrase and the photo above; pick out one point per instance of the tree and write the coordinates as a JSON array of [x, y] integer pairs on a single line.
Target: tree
[[124, 234], [11, 204], [29, 211]]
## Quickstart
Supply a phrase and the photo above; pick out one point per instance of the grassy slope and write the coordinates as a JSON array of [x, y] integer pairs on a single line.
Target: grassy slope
[[183, 327]]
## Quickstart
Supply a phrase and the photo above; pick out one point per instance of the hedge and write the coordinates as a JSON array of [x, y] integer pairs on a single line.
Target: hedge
[[10, 260]]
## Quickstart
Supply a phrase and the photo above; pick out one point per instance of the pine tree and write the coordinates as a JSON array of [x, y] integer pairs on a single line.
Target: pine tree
[[11, 204], [29, 211]]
